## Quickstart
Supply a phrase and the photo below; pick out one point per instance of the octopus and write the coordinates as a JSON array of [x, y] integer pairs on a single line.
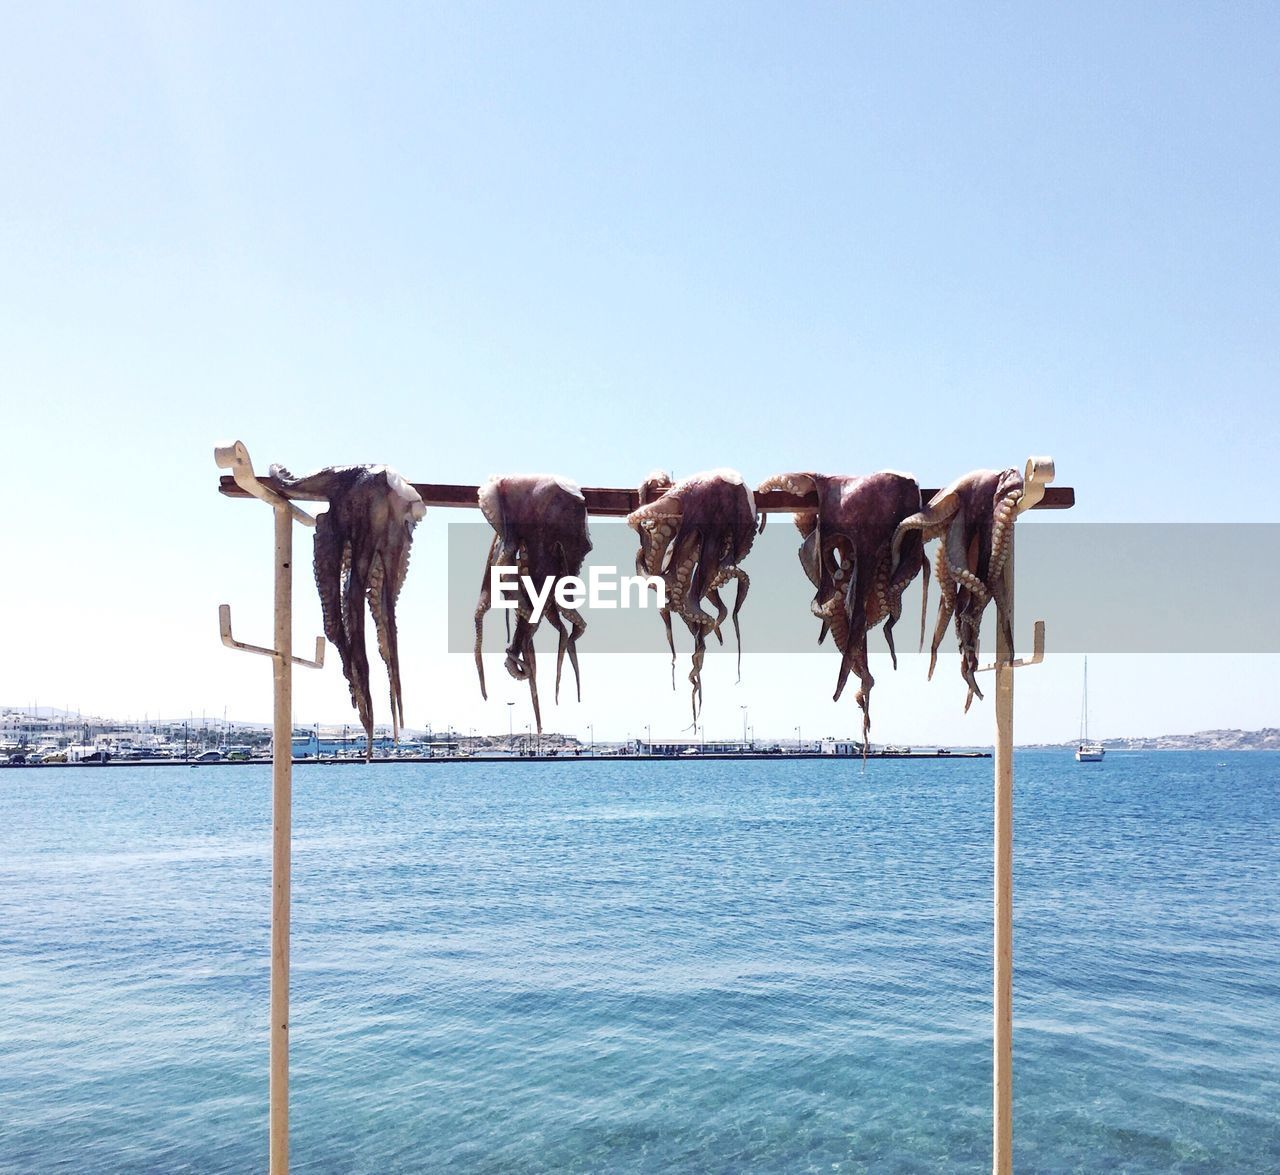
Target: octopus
[[974, 518], [540, 525], [361, 552], [693, 536], [849, 555]]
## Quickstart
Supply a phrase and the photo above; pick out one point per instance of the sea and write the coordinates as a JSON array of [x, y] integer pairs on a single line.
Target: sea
[[718, 966]]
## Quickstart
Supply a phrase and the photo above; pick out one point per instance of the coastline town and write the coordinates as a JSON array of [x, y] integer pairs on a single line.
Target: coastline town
[[54, 738]]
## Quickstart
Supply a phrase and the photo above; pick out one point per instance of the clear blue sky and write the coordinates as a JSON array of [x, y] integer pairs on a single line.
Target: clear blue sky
[[468, 239]]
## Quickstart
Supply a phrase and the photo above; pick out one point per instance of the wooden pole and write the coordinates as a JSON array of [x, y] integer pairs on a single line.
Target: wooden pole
[[281, 821], [236, 458], [1002, 1056]]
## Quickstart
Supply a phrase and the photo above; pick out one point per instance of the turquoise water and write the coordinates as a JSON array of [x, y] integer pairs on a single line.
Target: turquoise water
[[643, 967]]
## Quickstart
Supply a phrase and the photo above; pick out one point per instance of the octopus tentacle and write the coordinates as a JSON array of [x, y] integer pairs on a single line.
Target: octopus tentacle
[[685, 599], [854, 649], [811, 553], [1003, 612], [568, 638], [958, 560], [695, 672], [382, 606], [1001, 532], [482, 607], [329, 562], [969, 669], [946, 606], [924, 598], [529, 659], [940, 511], [722, 611], [353, 609], [665, 613], [791, 483], [567, 642], [661, 510], [577, 627], [744, 585], [838, 623], [788, 483], [552, 617], [911, 562]]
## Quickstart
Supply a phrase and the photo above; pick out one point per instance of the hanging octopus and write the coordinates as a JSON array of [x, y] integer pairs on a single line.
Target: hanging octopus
[[849, 556], [693, 535], [974, 518], [362, 551], [540, 525]]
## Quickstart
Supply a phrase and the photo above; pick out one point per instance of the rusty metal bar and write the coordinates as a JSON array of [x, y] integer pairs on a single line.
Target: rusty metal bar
[[618, 503]]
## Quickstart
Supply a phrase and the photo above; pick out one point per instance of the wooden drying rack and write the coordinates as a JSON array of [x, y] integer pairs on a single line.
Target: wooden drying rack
[[609, 503], [613, 503]]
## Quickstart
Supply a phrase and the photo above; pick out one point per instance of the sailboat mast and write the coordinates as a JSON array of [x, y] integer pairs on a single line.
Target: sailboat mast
[[1084, 705]]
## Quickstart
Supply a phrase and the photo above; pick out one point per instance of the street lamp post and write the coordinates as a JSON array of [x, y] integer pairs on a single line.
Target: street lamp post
[[510, 735], [648, 740], [592, 729], [797, 740], [744, 726]]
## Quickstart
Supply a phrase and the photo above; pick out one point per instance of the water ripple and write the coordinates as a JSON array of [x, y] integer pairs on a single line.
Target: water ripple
[[643, 968]]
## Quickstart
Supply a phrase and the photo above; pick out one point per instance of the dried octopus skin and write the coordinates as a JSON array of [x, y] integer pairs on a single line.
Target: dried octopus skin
[[973, 519], [848, 554], [540, 528], [361, 552], [694, 535]]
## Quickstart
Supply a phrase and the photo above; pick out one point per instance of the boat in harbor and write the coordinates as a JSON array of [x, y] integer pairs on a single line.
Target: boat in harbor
[[1087, 751]]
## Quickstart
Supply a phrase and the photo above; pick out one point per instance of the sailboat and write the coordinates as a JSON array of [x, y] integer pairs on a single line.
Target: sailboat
[[1087, 752]]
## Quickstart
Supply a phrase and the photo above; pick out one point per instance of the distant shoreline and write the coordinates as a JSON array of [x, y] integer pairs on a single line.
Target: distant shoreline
[[785, 756], [1112, 746]]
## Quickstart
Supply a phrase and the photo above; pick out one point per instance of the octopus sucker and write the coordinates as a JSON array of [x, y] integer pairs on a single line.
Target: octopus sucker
[[693, 535], [973, 518], [361, 554], [849, 555], [540, 525]]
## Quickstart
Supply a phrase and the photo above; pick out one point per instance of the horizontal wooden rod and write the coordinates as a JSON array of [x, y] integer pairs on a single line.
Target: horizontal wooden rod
[[618, 503]]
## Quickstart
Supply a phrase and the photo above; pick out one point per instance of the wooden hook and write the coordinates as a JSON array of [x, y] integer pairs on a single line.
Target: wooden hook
[[235, 457], [1039, 473], [1037, 652], [224, 627]]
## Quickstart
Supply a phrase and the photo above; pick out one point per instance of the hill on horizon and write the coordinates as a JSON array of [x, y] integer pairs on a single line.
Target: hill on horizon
[[1266, 739]]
